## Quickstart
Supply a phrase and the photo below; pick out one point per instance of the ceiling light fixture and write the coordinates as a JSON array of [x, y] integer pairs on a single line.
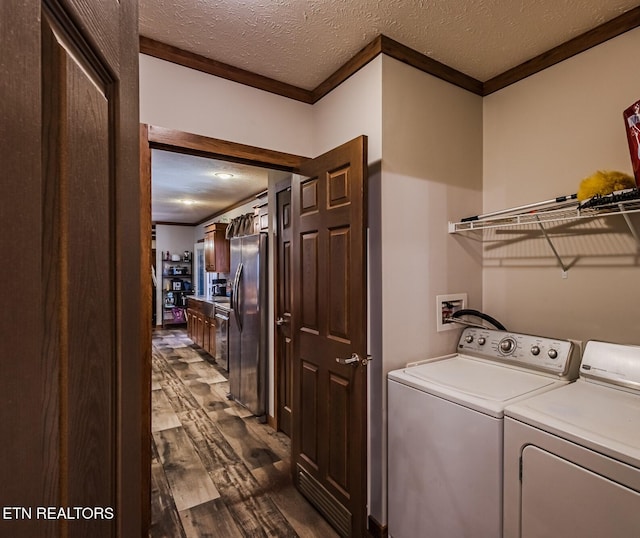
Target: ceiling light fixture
[[223, 175]]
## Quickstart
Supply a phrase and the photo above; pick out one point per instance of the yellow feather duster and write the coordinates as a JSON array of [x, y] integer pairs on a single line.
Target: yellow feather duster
[[604, 182]]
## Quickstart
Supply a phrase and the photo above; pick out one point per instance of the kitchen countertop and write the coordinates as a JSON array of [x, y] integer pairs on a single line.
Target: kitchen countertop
[[225, 305], [221, 300]]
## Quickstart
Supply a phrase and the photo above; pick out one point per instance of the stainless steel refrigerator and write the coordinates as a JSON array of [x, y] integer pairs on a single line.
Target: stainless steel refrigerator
[[248, 337]]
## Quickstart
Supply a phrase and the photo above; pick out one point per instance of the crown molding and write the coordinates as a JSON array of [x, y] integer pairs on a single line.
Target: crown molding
[[598, 35], [385, 45], [172, 54], [357, 62], [428, 65]]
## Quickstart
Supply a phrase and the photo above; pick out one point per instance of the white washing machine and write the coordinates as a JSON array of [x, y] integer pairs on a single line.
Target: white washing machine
[[572, 456], [445, 430]]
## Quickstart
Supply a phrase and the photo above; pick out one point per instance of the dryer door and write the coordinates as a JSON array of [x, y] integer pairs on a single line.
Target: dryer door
[[560, 498]]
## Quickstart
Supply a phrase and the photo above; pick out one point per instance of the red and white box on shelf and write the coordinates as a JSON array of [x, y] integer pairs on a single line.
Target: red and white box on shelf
[[632, 125]]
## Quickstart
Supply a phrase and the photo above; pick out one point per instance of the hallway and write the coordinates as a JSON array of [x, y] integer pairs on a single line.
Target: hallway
[[215, 471]]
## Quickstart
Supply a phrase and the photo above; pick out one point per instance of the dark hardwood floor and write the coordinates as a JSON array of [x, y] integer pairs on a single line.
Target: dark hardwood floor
[[216, 471]]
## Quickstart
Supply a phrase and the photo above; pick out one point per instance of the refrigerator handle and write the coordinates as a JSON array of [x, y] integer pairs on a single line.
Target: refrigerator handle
[[233, 289], [235, 299]]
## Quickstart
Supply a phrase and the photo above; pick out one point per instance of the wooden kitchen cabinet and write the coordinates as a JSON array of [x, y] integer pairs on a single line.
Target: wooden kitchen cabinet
[[262, 218], [192, 310], [261, 214], [199, 330], [195, 321], [205, 334], [201, 325], [190, 314], [210, 339], [217, 257]]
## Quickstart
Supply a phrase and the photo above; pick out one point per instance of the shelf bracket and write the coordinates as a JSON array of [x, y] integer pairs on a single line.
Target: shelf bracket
[[632, 228], [565, 268]]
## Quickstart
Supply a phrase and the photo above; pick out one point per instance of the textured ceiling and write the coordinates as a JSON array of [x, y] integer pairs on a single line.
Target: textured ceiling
[[302, 42], [177, 177]]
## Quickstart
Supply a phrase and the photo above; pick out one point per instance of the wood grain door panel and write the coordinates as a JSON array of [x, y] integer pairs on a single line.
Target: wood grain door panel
[[309, 273], [308, 414], [80, 377], [78, 189], [337, 458], [329, 442], [339, 306]]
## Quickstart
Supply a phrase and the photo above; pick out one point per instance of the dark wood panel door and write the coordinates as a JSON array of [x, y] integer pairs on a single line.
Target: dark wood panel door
[[329, 443], [284, 351], [73, 385]]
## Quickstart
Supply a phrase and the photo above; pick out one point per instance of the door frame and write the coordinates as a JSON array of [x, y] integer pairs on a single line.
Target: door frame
[[204, 146], [281, 186], [154, 137]]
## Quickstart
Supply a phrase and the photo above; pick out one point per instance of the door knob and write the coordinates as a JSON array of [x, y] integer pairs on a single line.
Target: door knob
[[354, 360], [281, 321]]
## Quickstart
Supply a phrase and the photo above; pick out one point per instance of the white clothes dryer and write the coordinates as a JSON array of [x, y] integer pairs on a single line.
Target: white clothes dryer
[[445, 430], [572, 456]]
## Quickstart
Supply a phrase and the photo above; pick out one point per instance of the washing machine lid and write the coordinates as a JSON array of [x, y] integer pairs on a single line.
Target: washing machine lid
[[481, 385], [602, 418]]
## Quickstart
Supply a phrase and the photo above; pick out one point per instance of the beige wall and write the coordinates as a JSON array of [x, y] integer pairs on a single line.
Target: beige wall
[[352, 109], [431, 173], [542, 136], [194, 102], [432, 170]]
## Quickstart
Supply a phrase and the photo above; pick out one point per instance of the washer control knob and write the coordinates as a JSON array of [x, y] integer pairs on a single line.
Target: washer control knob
[[553, 354], [535, 350], [482, 340], [507, 345], [468, 339]]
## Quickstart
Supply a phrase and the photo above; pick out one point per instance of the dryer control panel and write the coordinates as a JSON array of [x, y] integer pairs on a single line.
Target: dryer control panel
[[548, 355]]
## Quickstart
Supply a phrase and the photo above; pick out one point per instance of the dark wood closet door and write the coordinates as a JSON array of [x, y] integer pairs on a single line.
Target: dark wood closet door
[[329, 443], [74, 389], [284, 358]]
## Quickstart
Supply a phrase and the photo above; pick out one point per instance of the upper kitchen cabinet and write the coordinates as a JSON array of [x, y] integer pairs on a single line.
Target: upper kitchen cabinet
[[216, 248], [261, 214]]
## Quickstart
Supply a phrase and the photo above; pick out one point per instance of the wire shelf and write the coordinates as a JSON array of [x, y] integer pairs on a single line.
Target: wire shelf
[[618, 203], [549, 215]]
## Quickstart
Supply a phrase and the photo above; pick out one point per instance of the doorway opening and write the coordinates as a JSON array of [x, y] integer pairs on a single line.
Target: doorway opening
[[327, 268], [174, 146], [279, 164]]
